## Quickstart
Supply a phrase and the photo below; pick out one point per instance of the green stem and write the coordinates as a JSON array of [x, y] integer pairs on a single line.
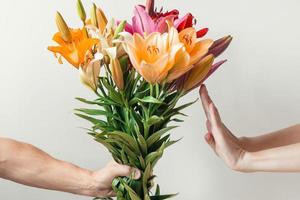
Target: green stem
[[126, 111]]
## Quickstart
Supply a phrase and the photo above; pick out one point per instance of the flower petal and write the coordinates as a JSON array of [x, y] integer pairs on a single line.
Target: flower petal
[[181, 65], [200, 49], [142, 22], [152, 72], [197, 74]]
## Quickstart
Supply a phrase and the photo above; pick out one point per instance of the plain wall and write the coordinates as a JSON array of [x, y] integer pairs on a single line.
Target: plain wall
[[257, 91]]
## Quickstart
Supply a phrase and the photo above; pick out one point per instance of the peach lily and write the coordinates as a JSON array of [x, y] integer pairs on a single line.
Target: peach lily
[[194, 49], [151, 55], [89, 74]]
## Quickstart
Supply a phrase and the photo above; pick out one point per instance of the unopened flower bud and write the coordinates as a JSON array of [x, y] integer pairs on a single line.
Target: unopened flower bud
[[63, 28], [101, 19], [81, 11], [94, 15]]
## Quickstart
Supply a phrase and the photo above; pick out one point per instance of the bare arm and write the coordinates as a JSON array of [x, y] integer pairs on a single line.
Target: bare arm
[[279, 159], [26, 164], [270, 156], [279, 138]]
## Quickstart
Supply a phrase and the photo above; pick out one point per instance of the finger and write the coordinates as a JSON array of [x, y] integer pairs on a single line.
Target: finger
[[111, 194], [214, 116], [124, 170], [208, 125], [205, 99]]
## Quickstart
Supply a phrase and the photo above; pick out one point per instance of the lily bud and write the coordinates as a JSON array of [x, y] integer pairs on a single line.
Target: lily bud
[[81, 11], [220, 46], [101, 19], [94, 15], [150, 7], [63, 28], [117, 74], [90, 74], [198, 73], [213, 68], [119, 29]]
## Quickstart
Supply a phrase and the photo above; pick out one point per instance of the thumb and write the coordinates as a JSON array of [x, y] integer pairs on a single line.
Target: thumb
[[124, 170], [210, 140]]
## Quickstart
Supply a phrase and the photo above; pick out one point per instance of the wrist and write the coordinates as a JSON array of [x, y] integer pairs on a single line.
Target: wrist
[[247, 162], [87, 184], [248, 143]]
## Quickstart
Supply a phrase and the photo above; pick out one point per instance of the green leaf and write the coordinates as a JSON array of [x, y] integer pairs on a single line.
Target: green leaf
[[142, 162], [150, 99], [177, 120], [154, 120], [160, 142], [92, 120], [142, 143], [162, 197], [124, 157], [126, 139], [146, 197], [86, 101], [157, 135], [169, 143], [153, 157], [110, 147], [131, 192], [157, 191], [185, 105], [93, 112], [146, 176]]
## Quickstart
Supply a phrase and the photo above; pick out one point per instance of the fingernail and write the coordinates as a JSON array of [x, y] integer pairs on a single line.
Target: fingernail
[[135, 174]]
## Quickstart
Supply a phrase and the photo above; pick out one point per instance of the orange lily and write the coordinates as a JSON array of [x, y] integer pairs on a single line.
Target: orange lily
[[194, 49], [73, 43]]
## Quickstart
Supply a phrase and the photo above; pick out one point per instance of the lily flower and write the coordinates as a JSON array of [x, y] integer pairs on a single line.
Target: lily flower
[[188, 21], [151, 55], [90, 73], [143, 23], [107, 38], [218, 47], [194, 50], [73, 43]]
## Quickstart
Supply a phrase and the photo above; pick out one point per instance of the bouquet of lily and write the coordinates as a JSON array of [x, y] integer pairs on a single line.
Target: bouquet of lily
[[138, 72]]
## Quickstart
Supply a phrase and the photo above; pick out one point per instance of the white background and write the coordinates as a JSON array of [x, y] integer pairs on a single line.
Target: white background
[[257, 91]]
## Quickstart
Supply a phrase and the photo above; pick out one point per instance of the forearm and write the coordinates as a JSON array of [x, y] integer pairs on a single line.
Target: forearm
[[275, 139], [28, 165], [279, 159]]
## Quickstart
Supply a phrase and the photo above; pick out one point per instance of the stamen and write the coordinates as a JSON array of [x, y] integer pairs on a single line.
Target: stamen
[[153, 50], [187, 39]]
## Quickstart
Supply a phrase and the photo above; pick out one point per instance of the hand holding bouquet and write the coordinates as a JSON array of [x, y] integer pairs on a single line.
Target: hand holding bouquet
[[138, 72]]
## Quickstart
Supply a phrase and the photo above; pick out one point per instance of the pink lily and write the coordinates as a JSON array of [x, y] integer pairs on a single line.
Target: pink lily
[[143, 23]]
